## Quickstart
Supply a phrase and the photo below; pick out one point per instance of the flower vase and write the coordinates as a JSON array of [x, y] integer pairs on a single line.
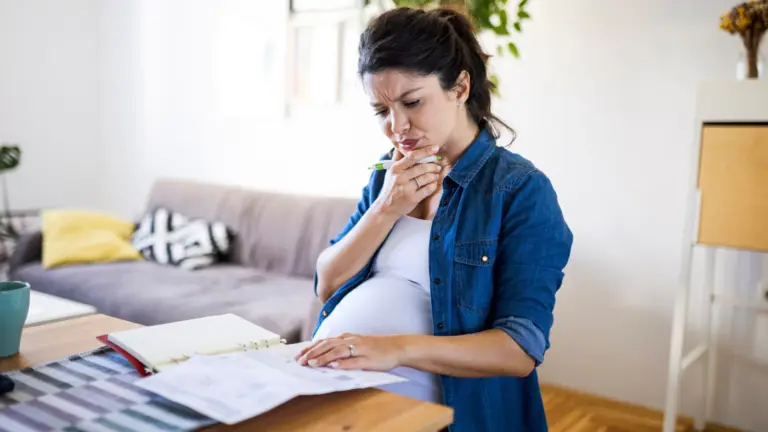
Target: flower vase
[[750, 65]]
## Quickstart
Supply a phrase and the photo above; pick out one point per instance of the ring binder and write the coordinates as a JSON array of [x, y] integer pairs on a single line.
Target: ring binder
[[158, 347]]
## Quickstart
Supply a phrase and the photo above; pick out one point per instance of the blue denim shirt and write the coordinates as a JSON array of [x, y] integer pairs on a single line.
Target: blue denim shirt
[[499, 247]]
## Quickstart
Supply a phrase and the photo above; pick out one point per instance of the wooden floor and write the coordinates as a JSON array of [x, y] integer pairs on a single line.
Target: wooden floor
[[571, 411]]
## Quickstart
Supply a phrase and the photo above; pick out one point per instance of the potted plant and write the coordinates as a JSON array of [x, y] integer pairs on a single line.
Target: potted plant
[[10, 157], [749, 20]]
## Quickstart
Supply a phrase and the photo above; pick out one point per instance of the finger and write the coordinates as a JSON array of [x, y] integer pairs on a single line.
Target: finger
[[307, 348], [417, 184], [426, 179], [396, 154], [337, 353], [411, 158], [420, 169], [357, 363], [428, 190], [320, 349]]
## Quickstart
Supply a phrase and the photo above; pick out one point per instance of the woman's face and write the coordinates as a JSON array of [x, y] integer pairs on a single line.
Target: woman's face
[[414, 111]]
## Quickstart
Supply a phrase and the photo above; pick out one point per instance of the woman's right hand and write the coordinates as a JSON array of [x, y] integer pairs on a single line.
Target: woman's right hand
[[407, 182]]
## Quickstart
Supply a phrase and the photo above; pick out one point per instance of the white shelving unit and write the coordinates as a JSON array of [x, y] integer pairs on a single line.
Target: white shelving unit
[[727, 209]]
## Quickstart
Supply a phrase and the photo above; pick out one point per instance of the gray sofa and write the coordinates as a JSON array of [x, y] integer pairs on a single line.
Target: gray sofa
[[268, 279]]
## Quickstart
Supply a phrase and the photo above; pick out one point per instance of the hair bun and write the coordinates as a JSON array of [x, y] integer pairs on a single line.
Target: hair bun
[[463, 28]]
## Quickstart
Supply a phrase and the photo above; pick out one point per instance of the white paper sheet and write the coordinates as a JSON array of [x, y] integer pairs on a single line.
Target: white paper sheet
[[231, 388]]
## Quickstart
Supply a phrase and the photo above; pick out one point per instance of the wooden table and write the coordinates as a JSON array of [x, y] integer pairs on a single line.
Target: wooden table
[[356, 410]]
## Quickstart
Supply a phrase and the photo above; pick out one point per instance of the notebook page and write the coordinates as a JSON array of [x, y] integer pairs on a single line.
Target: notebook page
[[162, 345], [234, 387]]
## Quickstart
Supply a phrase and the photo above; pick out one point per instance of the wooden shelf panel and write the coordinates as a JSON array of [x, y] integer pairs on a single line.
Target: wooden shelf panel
[[733, 182]]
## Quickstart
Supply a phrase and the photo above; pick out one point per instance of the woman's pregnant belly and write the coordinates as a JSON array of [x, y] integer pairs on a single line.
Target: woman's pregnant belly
[[382, 306], [379, 306]]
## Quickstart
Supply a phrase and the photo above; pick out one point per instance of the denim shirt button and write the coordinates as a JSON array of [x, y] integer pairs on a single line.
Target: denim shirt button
[[436, 237], [440, 326], [437, 281], [325, 313]]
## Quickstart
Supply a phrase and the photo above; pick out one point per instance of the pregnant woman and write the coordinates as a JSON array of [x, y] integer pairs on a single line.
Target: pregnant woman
[[447, 271]]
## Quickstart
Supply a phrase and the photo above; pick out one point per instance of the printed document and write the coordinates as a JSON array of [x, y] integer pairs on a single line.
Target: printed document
[[231, 388]]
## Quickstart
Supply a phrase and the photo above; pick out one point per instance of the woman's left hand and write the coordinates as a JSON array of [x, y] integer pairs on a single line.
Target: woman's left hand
[[379, 353]]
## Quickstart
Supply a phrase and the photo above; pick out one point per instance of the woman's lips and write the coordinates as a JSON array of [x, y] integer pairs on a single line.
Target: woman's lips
[[408, 144]]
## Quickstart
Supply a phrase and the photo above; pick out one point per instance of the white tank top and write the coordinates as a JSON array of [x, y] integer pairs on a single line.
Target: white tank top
[[394, 300]]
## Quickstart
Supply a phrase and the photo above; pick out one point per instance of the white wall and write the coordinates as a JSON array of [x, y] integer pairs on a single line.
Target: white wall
[[603, 101], [49, 100], [121, 133]]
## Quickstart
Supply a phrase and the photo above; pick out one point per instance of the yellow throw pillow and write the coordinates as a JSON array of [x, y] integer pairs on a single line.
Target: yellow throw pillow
[[80, 236]]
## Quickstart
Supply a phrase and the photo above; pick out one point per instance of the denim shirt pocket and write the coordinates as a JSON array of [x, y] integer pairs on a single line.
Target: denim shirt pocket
[[473, 270]]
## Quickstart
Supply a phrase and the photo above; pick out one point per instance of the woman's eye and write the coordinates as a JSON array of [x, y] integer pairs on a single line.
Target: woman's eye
[[412, 103], [380, 113]]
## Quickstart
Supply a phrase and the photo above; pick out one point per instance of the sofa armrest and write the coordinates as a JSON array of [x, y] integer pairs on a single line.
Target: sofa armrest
[[29, 248]]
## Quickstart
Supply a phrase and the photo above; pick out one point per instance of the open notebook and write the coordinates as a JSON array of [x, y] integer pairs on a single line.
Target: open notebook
[[159, 347]]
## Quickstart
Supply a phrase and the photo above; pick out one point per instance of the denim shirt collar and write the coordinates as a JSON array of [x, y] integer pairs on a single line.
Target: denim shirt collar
[[473, 159]]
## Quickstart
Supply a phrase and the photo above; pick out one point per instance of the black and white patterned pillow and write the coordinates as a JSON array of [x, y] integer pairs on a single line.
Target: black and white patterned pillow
[[168, 237]]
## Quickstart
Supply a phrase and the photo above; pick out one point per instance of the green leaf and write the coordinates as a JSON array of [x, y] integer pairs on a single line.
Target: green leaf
[[522, 3], [10, 156], [523, 14], [499, 50], [495, 80], [513, 49], [518, 27], [503, 19]]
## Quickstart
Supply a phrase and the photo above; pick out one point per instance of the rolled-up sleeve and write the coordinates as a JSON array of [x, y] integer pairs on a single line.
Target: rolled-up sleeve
[[534, 248], [526, 334]]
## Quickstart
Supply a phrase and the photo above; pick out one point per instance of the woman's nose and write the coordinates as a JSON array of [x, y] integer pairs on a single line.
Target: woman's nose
[[399, 123]]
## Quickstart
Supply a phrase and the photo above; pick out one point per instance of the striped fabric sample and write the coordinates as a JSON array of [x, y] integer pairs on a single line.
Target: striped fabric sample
[[89, 392]]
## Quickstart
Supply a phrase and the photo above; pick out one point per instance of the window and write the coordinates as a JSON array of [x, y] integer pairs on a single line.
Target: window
[[322, 55]]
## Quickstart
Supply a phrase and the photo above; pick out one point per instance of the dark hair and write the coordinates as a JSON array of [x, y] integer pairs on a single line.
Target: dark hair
[[439, 41]]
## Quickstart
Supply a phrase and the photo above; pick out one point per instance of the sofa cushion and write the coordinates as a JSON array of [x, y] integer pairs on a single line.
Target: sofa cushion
[[148, 293], [169, 237], [81, 236], [274, 232]]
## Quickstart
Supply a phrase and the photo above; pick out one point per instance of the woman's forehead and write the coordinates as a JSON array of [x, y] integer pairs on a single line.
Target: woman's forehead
[[389, 85]]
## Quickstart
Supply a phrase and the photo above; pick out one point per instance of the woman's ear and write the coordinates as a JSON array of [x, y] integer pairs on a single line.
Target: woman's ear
[[462, 87]]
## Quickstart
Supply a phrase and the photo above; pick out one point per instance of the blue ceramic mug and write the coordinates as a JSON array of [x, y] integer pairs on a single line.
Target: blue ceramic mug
[[14, 307]]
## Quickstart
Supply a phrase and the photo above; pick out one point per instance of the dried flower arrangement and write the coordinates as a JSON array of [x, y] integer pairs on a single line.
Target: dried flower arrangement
[[749, 20]]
